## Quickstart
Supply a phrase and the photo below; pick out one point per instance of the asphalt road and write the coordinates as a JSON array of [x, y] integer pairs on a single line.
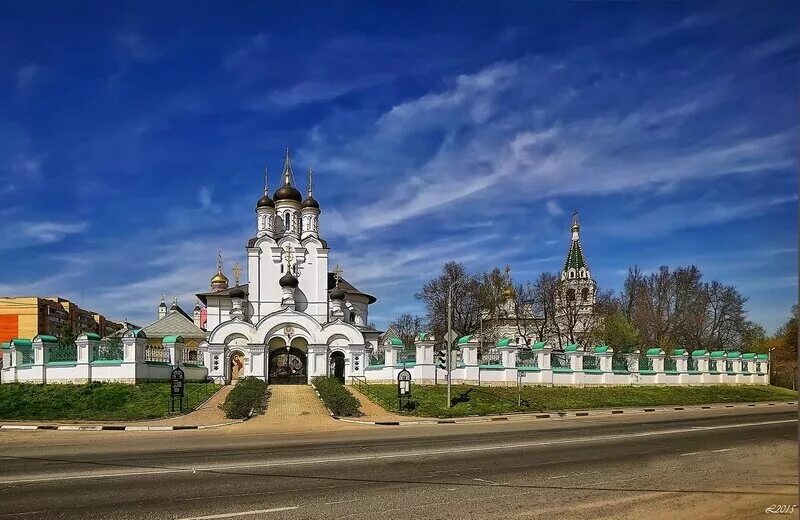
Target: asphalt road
[[724, 464]]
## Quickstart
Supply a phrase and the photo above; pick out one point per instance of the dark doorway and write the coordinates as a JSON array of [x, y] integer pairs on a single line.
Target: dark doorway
[[337, 366], [287, 367]]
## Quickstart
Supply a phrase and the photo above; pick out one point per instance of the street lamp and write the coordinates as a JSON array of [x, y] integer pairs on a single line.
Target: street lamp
[[449, 334]]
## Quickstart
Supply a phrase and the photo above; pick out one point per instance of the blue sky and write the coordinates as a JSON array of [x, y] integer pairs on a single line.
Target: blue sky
[[132, 141]]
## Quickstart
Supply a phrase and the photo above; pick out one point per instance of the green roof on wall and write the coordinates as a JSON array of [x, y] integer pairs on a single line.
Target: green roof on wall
[[395, 341], [46, 339], [504, 342], [173, 339], [572, 347], [464, 339], [654, 352]]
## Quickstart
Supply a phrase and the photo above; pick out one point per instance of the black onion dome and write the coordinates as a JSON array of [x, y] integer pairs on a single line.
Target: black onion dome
[[288, 280], [265, 202], [337, 294], [310, 202], [236, 293], [287, 192]]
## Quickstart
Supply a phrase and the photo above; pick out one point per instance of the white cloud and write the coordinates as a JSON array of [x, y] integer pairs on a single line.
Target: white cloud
[[553, 209], [135, 47], [27, 74], [49, 231], [501, 127]]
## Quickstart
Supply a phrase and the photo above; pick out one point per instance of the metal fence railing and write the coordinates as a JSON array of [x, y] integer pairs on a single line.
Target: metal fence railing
[[192, 357], [108, 351], [620, 364], [645, 363], [559, 360], [670, 364], [26, 353], [62, 354], [156, 354], [377, 358], [527, 359], [408, 355], [492, 357], [591, 363]]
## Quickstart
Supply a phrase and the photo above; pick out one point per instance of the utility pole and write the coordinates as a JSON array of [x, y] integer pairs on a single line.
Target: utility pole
[[449, 336]]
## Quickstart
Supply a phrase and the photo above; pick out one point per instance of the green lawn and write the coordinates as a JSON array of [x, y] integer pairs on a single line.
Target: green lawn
[[485, 400], [94, 401]]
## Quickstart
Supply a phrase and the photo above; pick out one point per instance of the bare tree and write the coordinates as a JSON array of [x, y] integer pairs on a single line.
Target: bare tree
[[407, 327], [466, 300], [543, 299]]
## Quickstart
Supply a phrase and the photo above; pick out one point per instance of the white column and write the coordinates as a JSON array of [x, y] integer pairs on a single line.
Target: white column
[[83, 370]]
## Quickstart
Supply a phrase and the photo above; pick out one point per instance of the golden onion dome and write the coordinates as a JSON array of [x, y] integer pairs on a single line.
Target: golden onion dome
[[219, 278], [508, 293]]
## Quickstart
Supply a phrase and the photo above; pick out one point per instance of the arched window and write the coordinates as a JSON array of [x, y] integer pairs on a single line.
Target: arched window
[[286, 221], [572, 274], [570, 295], [352, 317], [585, 294]]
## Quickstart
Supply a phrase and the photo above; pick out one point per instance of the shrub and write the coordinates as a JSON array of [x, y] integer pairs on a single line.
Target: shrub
[[248, 394], [336, 397]]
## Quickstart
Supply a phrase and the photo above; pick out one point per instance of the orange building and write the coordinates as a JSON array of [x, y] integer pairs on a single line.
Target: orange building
[[28, 316]]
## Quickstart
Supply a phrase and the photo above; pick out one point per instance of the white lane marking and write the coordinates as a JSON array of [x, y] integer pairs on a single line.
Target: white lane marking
[[342, 501], [702, 452], [403, 455], [242, 513], [559, 476]]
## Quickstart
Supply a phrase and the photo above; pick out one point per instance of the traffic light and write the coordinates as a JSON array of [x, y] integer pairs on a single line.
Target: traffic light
[[441, 359]]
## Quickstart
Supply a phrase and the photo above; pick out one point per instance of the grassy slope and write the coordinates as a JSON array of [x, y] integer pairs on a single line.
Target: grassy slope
[[471, 400], [94, 401]]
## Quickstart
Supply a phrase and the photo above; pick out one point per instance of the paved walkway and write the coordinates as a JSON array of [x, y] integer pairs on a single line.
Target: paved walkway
[[291, 408]]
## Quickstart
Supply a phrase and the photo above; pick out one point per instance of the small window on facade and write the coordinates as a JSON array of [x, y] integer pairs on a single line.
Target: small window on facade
[[585, 294], [572, 274], [571, 295], [286, 220], [352, 316]]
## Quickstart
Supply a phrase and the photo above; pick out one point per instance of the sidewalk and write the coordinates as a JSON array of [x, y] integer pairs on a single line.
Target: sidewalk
[[388, 419]]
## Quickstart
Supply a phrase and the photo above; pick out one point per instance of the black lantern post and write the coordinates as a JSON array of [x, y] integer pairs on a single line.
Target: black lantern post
[[403, 389]]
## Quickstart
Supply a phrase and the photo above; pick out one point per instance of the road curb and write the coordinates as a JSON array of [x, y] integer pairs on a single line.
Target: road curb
[[111, 427], [562, 414]]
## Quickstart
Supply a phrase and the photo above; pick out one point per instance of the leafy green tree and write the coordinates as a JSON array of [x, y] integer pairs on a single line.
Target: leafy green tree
[[619, 333]]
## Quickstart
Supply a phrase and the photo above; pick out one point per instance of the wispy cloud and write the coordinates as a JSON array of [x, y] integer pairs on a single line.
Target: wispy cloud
[[533, 153], [553, 209], [135, 46], [27, 75]]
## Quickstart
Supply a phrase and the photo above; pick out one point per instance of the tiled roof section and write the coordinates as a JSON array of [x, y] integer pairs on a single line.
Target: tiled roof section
[[575, 258], [345, 286], [224, 292], [174, 324]]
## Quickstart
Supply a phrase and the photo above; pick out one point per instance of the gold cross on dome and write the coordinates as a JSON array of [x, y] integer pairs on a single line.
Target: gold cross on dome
[[337, 274], [237, 272]]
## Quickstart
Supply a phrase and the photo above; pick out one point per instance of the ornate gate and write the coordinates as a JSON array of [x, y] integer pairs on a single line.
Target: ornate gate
[[287, 367]]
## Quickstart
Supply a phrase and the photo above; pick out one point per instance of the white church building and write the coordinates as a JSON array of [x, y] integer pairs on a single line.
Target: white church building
[[294, 318]]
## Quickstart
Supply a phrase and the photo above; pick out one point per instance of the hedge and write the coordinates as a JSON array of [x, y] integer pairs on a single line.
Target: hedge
[[336, 397], [248, 395]]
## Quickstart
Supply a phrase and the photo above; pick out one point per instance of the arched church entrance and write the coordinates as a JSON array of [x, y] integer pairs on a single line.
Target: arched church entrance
[[287, 366], [337, 366], [237, 365]]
